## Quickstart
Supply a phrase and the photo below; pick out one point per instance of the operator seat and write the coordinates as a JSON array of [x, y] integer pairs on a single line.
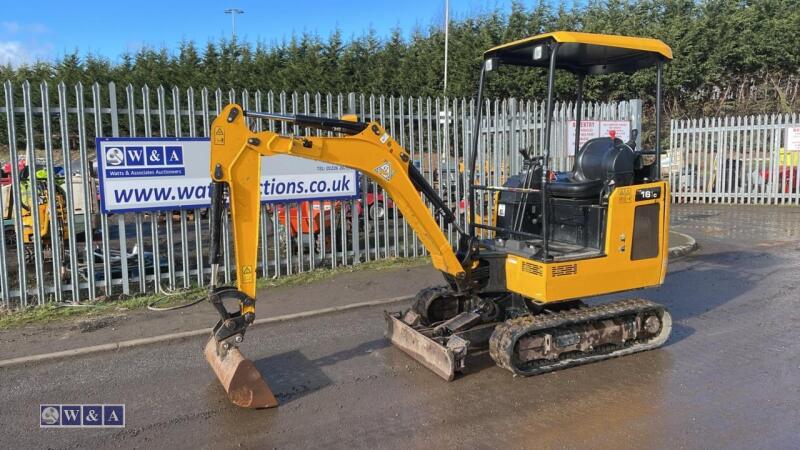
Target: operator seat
[[598, 163]]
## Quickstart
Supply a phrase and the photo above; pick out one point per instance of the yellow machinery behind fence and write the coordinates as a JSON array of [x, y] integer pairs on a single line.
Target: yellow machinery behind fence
[[513, 286], [52, 228]]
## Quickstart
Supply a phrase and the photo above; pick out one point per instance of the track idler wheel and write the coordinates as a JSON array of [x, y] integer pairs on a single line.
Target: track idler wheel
[[436, 304]]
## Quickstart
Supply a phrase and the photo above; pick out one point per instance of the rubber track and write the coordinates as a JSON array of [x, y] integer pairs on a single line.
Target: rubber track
[[503, 342]]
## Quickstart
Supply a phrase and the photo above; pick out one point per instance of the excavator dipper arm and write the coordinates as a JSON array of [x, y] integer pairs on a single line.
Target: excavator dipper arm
[[236, 153]]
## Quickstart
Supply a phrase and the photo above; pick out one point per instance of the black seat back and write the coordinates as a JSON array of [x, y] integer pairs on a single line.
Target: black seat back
[[604, 159]]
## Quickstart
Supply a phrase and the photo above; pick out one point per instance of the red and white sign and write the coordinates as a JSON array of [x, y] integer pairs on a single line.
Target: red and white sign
[[620, 128], [793, 139], [591, 129]]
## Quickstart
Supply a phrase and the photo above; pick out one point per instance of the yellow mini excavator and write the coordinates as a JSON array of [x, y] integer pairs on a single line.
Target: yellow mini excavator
[[513, 285]]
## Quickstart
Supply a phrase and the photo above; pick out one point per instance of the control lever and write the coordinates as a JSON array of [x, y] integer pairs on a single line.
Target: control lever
[[632, 142], [527, 159]]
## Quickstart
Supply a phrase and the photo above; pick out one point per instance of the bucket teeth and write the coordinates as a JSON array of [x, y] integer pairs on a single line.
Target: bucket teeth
[[239, 377], [429, 353]]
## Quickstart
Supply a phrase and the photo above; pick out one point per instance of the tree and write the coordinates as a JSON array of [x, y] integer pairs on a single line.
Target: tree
[[737, 56]]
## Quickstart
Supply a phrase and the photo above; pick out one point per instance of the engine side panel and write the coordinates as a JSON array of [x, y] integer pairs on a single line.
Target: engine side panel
[[618, 269]]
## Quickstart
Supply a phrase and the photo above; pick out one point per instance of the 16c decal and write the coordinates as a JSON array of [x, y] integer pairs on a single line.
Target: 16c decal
[[653, 193]]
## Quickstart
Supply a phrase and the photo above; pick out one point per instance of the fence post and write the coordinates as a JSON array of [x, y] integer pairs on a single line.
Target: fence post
[[123, 245], [34, 192], [635, 116], [354, 232], [16, 193], [55, 226]]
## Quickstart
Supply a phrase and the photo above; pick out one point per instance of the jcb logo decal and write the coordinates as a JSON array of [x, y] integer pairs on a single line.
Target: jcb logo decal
[[385, 171]]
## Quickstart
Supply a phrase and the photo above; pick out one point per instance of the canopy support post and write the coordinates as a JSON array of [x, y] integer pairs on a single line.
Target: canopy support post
[[551, 75]]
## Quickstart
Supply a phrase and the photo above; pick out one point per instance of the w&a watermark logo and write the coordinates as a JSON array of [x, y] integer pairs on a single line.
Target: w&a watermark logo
[[82, 416]]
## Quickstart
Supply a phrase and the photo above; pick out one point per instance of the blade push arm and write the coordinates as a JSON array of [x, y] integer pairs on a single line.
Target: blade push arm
[[236, 153]]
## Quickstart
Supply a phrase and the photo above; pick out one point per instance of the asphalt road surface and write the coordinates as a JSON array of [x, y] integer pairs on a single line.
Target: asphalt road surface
[[729, 377]]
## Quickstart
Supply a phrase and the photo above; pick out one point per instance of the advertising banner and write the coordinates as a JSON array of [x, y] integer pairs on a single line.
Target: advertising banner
[[151, 174]]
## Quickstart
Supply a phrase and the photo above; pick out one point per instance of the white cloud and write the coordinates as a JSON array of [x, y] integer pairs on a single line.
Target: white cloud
[[18, 54], [11, 53], [10, 27], [21, 43], [29, 28], [37, 28]]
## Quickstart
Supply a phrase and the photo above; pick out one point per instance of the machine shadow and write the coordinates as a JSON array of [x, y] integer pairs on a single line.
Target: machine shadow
[[705, 281], [292, 375], [711, 280]]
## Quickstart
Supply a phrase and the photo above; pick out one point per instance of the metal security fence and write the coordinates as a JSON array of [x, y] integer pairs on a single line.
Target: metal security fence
[[64, 250], [733, 160]]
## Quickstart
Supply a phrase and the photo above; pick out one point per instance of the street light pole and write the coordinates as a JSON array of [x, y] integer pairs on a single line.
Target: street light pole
[[233, 12], [444, 93], [446, 36]]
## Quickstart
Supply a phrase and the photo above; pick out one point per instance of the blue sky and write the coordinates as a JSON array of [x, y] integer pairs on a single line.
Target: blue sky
[[47, 29]]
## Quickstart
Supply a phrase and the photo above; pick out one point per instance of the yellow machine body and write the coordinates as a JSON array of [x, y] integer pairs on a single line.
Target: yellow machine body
[[614, 271], [46, 223]]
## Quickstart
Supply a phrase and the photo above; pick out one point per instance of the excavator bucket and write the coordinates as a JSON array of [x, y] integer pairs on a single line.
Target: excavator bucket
[[239, 377], [441, 360]]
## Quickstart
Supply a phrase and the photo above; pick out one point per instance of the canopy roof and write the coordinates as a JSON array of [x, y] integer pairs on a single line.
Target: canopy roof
[[586, 53]]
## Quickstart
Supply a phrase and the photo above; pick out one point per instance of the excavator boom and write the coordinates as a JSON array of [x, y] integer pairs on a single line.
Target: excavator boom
[[236, 157]]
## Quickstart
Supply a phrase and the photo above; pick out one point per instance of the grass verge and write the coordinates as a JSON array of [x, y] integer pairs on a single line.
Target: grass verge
[[55, 312]]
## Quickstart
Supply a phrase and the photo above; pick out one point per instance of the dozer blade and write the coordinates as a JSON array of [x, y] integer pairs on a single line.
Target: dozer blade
[[239, 377], [428, 352]]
